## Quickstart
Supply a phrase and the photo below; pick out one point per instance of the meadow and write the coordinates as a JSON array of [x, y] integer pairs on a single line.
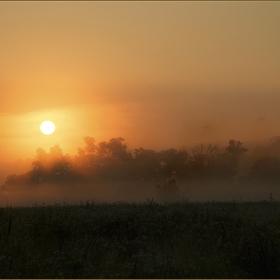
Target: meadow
[[141, 240]]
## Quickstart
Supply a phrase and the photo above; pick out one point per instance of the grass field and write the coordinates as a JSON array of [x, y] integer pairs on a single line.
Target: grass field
[[141, 240]]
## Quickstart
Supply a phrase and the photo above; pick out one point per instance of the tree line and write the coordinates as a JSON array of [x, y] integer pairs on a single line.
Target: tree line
[[111, 160]]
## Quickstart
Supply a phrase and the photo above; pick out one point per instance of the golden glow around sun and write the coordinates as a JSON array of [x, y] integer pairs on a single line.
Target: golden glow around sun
[[47, 127]]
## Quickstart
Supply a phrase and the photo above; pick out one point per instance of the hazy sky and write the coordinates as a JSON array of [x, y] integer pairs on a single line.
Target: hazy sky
[[159, 74]]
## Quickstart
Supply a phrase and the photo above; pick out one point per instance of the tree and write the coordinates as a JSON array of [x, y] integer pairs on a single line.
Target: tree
[[174, 162], [203, 162], [168, 189], [146, 163], [115, 149], [86, 161], [52, 166], [113, 152], [266, 169], [228, 160], [41, 159], [212, 162], [235, 148], [273, 150], [113, 158], [15, 182], [90, 146]]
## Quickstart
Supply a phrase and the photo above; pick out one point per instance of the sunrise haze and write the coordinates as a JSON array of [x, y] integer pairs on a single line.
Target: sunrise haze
[[158, 74]]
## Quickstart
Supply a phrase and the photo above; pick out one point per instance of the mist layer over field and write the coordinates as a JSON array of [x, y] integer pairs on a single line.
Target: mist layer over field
[[143, 191], [109, 172]]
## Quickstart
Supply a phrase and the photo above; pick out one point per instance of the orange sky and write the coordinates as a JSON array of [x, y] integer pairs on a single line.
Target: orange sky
[[159, 74]]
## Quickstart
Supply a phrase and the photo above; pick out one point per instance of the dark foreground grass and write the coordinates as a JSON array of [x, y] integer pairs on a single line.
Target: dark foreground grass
[[121, 240]]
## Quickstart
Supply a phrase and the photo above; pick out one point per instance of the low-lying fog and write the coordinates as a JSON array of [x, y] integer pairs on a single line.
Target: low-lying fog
[[143, 191], [262, 184]]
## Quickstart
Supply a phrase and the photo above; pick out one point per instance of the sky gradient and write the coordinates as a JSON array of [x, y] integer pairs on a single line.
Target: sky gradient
[[159, 74]]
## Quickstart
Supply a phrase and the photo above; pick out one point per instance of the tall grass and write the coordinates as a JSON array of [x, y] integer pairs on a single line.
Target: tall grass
[[148, 240]]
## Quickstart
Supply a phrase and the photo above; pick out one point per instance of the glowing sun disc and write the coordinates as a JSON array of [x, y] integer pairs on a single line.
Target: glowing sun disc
[[47, 127]]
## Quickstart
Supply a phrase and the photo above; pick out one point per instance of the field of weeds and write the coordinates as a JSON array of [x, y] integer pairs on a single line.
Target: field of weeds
[[144, 240]]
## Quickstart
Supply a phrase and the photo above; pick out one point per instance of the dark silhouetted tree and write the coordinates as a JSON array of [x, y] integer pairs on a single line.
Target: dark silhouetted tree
[[113, 158], [15, 182], [203, 162], [266, 169], [228, 160], [235, 148], [273, 150], [173, 162], [212, 162], [115, 150], [52, 166], [146, 163], [86, 161], [169, 188]]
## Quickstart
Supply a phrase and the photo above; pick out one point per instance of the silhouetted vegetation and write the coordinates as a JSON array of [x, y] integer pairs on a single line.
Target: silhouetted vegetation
[[266, 169], [148, 240], [111, 160], [265, 166]]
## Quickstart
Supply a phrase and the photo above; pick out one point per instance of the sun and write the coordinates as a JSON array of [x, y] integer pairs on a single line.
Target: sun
[[47, 127]]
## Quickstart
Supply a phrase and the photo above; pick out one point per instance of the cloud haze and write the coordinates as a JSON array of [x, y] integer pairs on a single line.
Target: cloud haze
[[159, 74]]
